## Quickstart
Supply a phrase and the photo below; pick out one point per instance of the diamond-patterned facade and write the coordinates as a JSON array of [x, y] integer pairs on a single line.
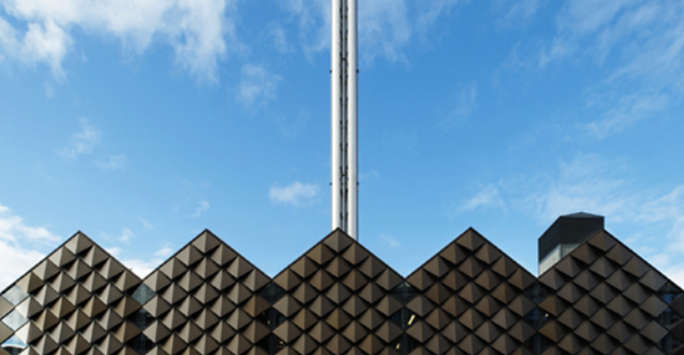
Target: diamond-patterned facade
[[612, 302], [74, 301], [474, 300], [338, 298]]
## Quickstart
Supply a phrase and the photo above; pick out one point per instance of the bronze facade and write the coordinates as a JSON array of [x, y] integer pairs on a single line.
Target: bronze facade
[[338, 298]]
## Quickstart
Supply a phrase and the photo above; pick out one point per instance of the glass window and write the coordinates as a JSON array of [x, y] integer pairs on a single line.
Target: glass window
[[143, 294], [14, 320], [13, 345], [15, 295]]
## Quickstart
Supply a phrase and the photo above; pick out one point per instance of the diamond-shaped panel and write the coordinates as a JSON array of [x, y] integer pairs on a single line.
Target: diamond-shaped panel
[[69, 300], [616, 302], [205, 298], [473, 295], [337, 295]]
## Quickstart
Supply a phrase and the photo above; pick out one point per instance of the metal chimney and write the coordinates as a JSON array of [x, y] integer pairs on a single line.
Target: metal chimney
[[343, 116]]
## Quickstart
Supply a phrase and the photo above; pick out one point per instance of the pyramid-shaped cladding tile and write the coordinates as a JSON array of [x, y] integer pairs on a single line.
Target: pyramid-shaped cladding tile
[[189, 281], [372, 293], [437, 293], [288, 280]]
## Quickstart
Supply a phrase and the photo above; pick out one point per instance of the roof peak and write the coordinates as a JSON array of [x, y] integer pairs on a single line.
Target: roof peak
[[581, 214]]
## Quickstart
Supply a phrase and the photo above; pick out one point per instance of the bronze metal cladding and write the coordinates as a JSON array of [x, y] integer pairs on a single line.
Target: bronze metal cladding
[[339, 298]]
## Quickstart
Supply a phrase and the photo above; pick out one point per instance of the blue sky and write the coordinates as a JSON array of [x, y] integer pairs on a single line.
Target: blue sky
[[142, 123]]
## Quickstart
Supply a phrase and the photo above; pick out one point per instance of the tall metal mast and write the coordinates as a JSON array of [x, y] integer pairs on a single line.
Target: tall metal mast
[[343, 116]]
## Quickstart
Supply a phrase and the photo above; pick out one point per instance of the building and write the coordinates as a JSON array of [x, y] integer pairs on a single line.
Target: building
[[599, 297]]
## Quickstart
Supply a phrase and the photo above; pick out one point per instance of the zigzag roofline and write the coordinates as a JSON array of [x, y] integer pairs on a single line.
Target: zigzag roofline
[[78, 233], [618, 242], [322, 240]]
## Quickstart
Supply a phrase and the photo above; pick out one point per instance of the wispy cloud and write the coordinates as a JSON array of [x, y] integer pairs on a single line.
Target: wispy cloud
[[164, 252], [278, 37], [114, 251], [489, 196], [585, 182], [202, 207], [142, 267], [13, 229], [83, 141], [431, 11], [637, 49], [390, 240], [516, 11], [126, 235], [257, 86], [146, 223], [462, 104], [16, 260], [113, 162], [625, 111], [557, 50], [293, 125], [42, 42], [592, 184], [21, 245], [369, 175], [386, 27], [294, 194], [313, 19], [199, 32]]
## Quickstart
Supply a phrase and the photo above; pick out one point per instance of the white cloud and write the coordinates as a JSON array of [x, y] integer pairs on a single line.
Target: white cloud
[[386, 27], [114, 251], [369, 175], [313, 19], [126, 235], [462, 104], [16, 261], [83, 141], [674, 273], [202, 207], [140, 267], [638, 50], [13, 229], [281, 43], [49, 90], [292, 126], [654, 219], [557, 50], [294, 194], [113, 162], [488, 196], [583, 183], [586, 16], [517, 10], [667, 209], [199, 31], [433, 10], [625, 111], [146, 224], [391, 241], [257, 85], [19, 245], [144, 267], [163, 252], [43, 42]]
